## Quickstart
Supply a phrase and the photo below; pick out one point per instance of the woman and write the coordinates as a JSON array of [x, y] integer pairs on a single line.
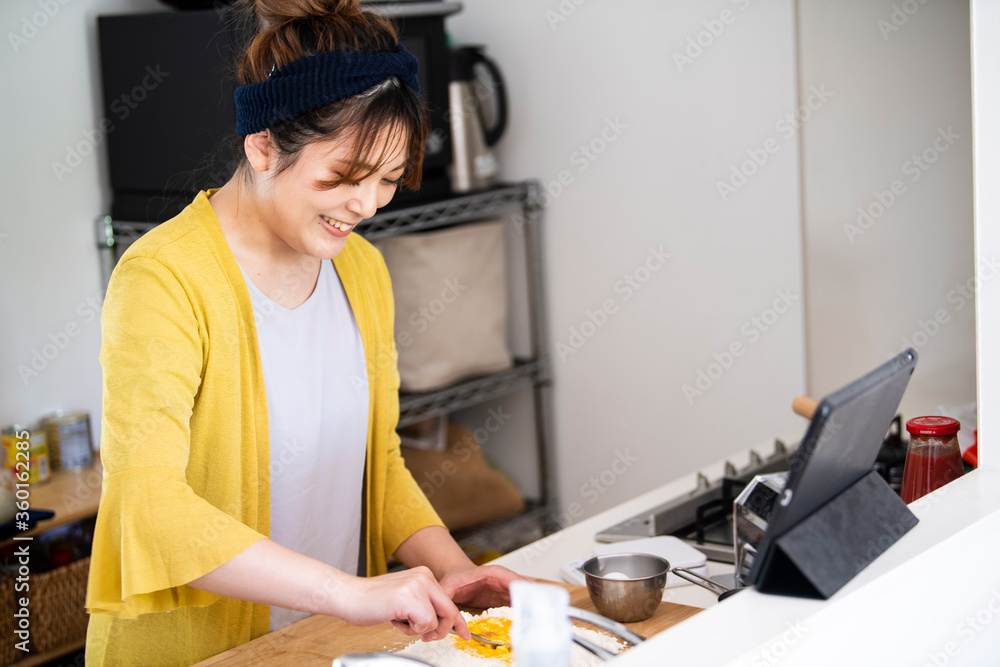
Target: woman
[[252, 470]]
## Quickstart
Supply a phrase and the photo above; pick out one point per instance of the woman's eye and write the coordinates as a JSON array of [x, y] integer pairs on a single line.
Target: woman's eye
[[385, 181]]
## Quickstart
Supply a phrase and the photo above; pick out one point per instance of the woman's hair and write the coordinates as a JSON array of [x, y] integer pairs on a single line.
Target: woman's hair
[[389, 112]]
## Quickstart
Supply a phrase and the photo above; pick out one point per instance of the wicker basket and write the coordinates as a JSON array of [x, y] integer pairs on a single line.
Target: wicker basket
[[57, 606], [8, 653]]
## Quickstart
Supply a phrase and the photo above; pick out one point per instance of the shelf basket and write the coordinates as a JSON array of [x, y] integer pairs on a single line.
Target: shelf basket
[[8, 653], [58, 601], [56, 610]]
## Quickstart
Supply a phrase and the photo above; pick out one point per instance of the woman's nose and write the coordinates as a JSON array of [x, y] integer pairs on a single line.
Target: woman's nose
[[365, 200]]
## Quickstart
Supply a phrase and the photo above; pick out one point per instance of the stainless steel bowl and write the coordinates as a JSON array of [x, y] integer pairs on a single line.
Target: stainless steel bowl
[[632, 598]]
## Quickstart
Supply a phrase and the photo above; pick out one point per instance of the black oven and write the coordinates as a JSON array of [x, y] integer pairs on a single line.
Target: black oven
[[168, 113]]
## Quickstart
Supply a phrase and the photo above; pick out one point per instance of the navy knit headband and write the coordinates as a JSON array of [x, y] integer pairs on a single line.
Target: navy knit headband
[[315, 81]]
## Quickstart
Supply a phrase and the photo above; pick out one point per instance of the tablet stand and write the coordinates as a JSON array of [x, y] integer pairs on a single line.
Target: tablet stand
[[824, 551]]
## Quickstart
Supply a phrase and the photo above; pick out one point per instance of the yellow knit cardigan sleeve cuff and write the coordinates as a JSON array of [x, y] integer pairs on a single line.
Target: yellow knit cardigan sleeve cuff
[[154, 535]]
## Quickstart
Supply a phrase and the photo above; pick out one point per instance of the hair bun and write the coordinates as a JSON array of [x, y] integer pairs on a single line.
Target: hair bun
[[291, 29], [272, 12]]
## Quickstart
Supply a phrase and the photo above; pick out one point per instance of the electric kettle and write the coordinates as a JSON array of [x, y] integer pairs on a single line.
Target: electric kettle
[[474, 166]]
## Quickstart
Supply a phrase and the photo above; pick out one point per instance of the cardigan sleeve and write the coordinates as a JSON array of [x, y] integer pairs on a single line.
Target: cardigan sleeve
[[154, 533], [406, 509]]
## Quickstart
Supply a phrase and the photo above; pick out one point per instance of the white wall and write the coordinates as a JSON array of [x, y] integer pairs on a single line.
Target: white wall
[[900, 82], [682, 130], [986, 96], [50, 287]]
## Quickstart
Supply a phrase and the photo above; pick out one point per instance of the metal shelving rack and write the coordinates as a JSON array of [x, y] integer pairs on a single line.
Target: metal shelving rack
[[523, 199]]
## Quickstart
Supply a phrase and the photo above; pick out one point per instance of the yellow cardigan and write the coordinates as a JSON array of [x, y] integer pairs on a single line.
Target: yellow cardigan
[[185, 443]]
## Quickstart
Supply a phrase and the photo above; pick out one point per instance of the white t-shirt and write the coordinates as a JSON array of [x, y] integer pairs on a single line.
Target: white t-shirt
[[317, 408]]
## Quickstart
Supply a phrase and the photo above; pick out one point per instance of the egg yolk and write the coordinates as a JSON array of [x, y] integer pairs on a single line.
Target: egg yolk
[[497, 629]]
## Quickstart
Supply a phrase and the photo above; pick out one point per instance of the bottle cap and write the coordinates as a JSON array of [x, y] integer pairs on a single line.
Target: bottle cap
[[933, 425]]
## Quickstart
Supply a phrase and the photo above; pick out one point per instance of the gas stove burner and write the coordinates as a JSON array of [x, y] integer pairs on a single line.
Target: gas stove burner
[[703, 517]]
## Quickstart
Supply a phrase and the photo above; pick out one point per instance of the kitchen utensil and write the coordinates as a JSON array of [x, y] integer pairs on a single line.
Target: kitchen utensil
[[474, 166], [804, 406], [626, 587], [706, 583], [484, 640], [606, 624], [674, 550]]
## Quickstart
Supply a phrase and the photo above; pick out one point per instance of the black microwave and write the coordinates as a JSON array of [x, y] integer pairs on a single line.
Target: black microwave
[[169, 117]]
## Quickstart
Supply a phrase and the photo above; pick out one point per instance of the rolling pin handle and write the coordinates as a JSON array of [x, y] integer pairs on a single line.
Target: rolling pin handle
[[805, 406]]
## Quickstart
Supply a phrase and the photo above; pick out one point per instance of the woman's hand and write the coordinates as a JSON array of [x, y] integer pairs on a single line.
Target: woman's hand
[[411, 600], [481, 587], [462, 581]]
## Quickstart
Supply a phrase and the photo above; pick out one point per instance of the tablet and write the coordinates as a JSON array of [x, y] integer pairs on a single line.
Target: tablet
[[839, 448]]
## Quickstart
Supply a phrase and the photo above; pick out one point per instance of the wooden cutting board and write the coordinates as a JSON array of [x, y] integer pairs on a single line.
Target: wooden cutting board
[[317, 640]]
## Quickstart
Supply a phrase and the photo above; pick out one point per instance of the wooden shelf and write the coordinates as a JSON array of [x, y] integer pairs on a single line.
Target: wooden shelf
[[42, 658], [71, 494]]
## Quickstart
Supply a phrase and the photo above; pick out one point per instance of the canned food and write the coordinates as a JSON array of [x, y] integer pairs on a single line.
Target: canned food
[[27, 452], [70, 444]]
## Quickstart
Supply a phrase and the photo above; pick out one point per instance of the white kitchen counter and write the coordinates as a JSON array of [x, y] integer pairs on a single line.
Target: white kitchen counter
[[933, 598]]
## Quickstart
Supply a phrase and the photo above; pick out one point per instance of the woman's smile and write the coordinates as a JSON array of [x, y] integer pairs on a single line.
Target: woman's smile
[[336, 227]]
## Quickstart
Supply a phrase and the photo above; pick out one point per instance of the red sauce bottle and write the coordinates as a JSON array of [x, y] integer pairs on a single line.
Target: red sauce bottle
[[933, 457]]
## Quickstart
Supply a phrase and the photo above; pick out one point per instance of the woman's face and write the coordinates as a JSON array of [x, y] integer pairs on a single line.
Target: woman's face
[[312, 218]]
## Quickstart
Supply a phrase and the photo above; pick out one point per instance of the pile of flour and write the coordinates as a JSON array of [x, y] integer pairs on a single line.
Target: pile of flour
[[444, 653]]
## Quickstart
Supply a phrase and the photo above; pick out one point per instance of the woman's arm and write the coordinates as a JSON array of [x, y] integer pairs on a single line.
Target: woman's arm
[[464, 582], [268, 573]]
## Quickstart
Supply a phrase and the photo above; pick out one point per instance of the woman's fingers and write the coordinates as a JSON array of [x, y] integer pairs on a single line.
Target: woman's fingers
[[428, 610], [449, 616], [402, 626], [412, 601], [461, 628]]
